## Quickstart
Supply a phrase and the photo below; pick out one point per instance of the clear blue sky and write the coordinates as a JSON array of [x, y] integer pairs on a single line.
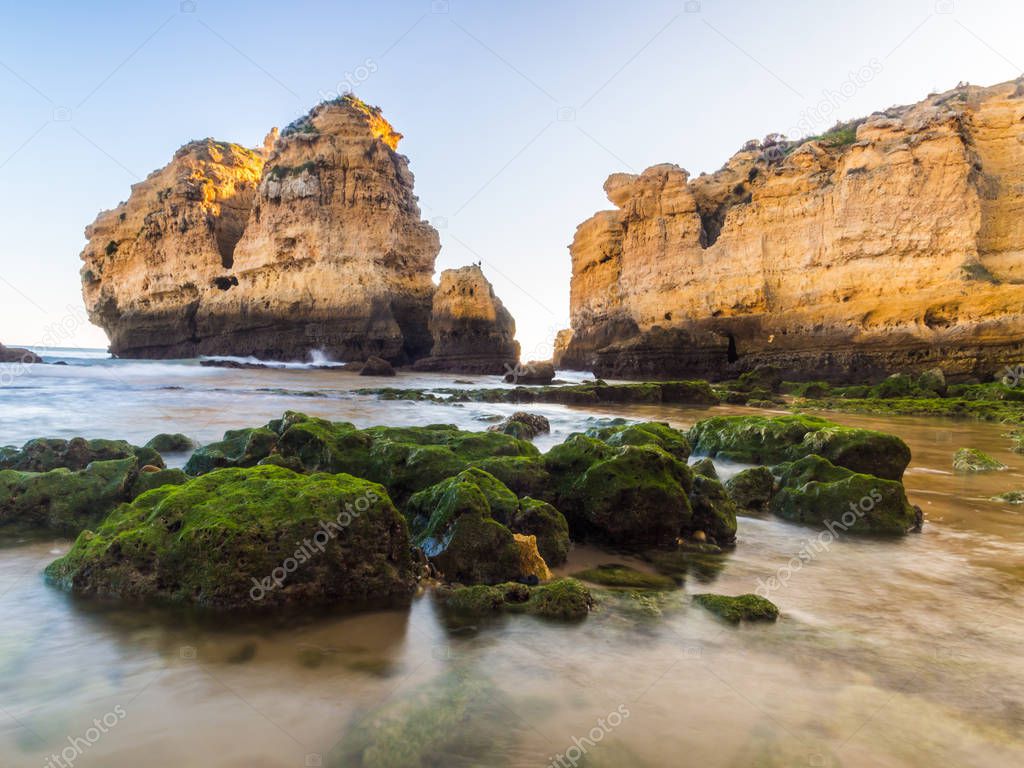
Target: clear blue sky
[[514, 111]]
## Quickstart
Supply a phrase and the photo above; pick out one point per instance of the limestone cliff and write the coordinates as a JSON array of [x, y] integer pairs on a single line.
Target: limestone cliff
[[316, 243], [891, 243], [471, 329]]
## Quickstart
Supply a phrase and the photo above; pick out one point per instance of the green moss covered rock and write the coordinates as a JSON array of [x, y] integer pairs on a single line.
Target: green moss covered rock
[[546, 523], [672, 441], [816, 492], [455, 525], [775, 439], [713, 510], [176, 443], [740, 608], [247, 538], [566, 599], [973, 460], [634, 497], [65, 501], [621, 576], [751, 489], [239, 448], [705, 467], [523, 425], [44, 454]]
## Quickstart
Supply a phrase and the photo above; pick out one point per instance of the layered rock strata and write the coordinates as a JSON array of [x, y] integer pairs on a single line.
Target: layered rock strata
[[315, 243], [893, 243]]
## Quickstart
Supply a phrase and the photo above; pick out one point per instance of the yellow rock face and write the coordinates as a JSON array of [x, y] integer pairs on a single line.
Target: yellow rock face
[[530, 560], [897, 247]]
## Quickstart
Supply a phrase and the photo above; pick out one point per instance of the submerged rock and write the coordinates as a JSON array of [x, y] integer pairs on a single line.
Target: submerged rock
[[566, 599], [376, 366], [624, 577], [815, 491], [774, 439], [737, 609], [973, 460], [44, 454], [248, 538], [1010, 497], [751, 489]]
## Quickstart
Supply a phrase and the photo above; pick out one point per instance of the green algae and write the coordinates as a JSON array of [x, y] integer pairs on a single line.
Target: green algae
[[739, 608]]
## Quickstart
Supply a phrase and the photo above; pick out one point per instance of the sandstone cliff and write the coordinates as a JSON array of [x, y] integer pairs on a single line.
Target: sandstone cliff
[[471, 329], [316, 243], [891, 243]]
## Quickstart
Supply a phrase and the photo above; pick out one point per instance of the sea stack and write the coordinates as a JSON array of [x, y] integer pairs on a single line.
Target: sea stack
[[315, 243], [891, 243], [471, 329]]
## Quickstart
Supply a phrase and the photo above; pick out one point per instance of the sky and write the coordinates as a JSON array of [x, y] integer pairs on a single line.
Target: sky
[[514, 111]]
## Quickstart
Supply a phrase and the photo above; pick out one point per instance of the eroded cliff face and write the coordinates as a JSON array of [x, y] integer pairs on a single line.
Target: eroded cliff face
[[895, 243], [316, 243], [471, 329]]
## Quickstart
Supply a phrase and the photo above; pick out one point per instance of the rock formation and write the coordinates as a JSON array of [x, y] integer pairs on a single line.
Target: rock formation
[[471, 329], [18, 355], [316, 243], [887, 244]]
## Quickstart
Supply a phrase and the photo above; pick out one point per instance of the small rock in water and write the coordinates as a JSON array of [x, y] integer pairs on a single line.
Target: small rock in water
[[973, 460], [740, 608], [1010, 497], [376, 366]]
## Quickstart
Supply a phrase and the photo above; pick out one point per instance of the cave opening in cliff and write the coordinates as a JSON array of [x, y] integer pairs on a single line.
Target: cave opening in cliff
[[731, 354]]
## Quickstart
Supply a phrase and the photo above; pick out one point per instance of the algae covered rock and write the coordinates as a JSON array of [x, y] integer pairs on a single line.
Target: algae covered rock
[[621, 576], [672, 441], [713, 510], [636, 496], [176, 443], [566, 599], [455, 525], [62, 500], [44, 454], [815, 491], [973, 460], [737, 609], [775, 439], [546, 523], [239, 448], [705, 467], [751, 489], [243, 538]]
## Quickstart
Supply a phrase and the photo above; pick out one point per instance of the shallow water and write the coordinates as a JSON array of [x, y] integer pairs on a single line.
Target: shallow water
[[888, 653]]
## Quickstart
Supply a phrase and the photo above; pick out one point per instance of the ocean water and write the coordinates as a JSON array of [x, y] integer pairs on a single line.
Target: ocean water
[[904, 652]]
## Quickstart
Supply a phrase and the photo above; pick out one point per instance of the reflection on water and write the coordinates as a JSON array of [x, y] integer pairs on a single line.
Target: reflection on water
[[888, 653]]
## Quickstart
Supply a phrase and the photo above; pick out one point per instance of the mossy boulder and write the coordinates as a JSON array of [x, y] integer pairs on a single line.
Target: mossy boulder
[[775, 439], [546, 523], [150, 477], [751, 489], [816, 492], [973, 460], [66, 501], [672, 441], [620, 576], [167, 443], [241, 538], [705, 467], [740, 608], [239, 448], [454, 523], [44, 454], [566, 599], [634, 497], [713, 511], [523, 475]]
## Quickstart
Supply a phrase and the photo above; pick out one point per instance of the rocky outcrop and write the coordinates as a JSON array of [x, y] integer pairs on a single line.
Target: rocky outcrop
[[315, 243], [472, 331], [18, 355], [890, 243]]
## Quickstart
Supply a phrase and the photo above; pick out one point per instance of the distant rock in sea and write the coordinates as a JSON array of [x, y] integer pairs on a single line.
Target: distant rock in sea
[[18, 355]]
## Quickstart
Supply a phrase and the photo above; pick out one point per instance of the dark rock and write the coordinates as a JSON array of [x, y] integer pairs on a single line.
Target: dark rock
[[751, 489], [534, 372], [44, 454], [176, 443], [523, 425], [18, 355], [375, 366]]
